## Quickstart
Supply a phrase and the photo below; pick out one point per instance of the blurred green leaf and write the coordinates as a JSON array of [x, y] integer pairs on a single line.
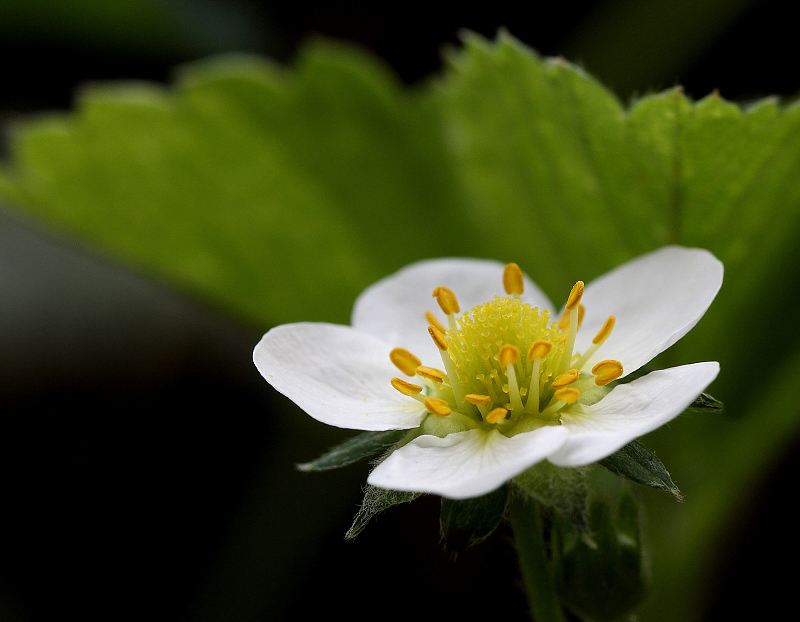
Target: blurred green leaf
[[279, 194], [467, 522]]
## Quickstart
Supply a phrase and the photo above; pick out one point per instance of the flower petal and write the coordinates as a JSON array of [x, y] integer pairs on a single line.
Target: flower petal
[[656, 299], [464, 464], [630, 411], [393, 309], [337, 375]]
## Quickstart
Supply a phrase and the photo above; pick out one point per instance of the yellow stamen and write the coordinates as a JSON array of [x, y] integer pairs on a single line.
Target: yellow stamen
[[431, 373], [513, 281], [575, 296], [539, 350], [498, 414], [568, 395], [605, 331], [404, 361], [565, 379], [437, 406], [563, 321], [508, 355], [447, 300], [606, 371], [581, 312], [478, 400], [438, 337], [405, 387], [433, 321]]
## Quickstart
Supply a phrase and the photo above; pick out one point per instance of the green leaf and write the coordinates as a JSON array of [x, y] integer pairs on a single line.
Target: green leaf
[[602, 579], [564, 489], [467, 522], [704, 403], [365, 445], [376, 500], [638, 464]]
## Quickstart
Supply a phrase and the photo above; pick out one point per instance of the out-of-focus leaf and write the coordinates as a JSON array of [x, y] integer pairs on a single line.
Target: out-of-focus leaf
[[467, 522], [278, 195]]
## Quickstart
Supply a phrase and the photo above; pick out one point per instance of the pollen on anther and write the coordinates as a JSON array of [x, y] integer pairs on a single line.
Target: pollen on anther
[[539, 350], [606, 372], [513, 281], [508, 355], [433, 321], [437, 406], [438, 337], [447, 300], [605, 331], [568, 395], [431, 373], [478, 400], [498, 414], [405, 387], [565, 379], [404, 361], [575, 296]]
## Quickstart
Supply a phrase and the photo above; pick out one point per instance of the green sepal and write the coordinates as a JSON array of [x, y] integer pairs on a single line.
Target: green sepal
[[375, 501], [564, 489], [365, 445], [602, 579], [704, 402], [467, 522], [638, 464]]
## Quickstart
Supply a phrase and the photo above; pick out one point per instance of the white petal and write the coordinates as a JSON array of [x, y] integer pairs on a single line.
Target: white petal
[[337, 375], [393, 309], [630, 411], [465, 464], [656, 299]]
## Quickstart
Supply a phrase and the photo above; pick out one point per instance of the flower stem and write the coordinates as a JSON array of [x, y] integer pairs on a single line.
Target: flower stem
[[526, 521]]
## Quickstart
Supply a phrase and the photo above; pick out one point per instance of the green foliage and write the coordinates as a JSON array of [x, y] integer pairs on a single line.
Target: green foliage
[[376, 500], [467, 522], [278, 195], [359, 447], [601, 580], [638, 464]]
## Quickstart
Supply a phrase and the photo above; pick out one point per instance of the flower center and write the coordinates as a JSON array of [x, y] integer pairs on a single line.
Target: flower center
[[506, 364]]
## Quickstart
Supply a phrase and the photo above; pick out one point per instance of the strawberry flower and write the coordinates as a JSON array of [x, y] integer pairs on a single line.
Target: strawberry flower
[[487, 378]]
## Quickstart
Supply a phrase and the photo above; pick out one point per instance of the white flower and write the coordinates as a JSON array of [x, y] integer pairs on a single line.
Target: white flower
[[518, 385]]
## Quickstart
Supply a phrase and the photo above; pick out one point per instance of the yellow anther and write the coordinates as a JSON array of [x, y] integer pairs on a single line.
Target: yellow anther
[[606, 371], [405, 387], [431, 373], [606, 367], [508, 355], [604, 332], [539, 350], [498, 414], [565, 379], [575, 296], [513, 281], [581, 312], [433, 321], [478, 400], [437, 406], [568, 395], [438, 337], [404, 361], [447, 300]]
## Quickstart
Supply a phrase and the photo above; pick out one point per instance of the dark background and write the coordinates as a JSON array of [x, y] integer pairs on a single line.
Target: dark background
[[147, 470]]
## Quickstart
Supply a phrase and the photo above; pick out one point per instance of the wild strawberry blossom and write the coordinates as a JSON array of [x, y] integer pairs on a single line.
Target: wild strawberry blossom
[[469, 356]]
